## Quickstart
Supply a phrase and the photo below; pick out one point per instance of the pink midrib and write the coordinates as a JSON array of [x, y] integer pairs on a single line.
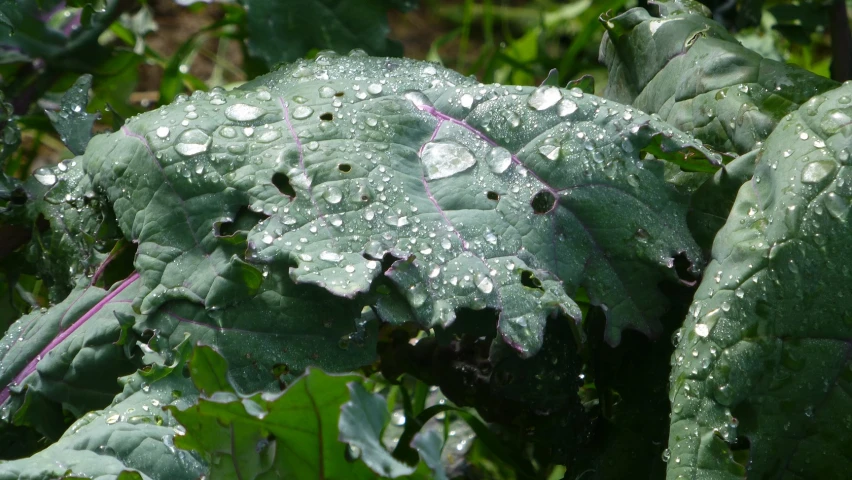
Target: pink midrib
[[6, 392]]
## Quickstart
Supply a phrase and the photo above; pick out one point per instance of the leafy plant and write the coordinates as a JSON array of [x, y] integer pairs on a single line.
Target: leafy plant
[[529, 250]]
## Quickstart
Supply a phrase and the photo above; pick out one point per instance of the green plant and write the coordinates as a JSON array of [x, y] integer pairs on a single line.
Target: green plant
[[529, 250]]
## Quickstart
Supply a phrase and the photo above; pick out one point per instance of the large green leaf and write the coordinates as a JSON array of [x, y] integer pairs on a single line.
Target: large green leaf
[[66, 356], [291, 434], [761, 376], [133, 434], [468, 190], [691, 71], [287, 31]]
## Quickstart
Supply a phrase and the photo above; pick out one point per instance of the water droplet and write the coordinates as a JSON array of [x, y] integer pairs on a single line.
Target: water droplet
[[112, 419], [333, 195], [446, 244], [45, 176], [499, 159], [815, 172], [163, 132], [485, 285], [419, 99], [804, 135], [566, 107], [836, 205], [267, 239], [374, 88], [302, 112], [192, 142], [326, 92], [240, 112], [444, 159], [702, 330], [330, 256], [667, 454], [512, 117], [551, 152], [429, 70], [269, 136], [544, 97]]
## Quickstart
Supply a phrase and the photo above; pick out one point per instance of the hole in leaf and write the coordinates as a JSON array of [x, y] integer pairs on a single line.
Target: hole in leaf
[[327, 117], [344, 167], [244, 221], [528, 279], [280, 369], [683, 268], [282, 183], [493, 195], [543, 202], [338, 94]]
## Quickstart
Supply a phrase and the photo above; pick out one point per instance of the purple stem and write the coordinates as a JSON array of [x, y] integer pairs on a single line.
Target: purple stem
[[5, 393]]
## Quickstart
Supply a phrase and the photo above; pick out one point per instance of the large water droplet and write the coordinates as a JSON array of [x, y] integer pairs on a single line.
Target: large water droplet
[[444, 159], [333, 195], [566, 107], [302, 112], [551, 152], [163, 132], [192, 142], [499, 159], [326, 92], [485, 285], [418, 98], [45, 176], [544, 97], [240, 112], [330, 256], [815, 172], [228, 132], [836, 205]]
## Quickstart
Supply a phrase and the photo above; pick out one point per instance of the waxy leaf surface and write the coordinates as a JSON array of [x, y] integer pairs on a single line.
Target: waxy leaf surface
[[761, 383], [695, 75]]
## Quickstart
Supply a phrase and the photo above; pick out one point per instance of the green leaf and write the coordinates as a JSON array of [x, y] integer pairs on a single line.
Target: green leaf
[[340, 197], [286, 31], [72, 122], [290, 434], [760, 381], [695, 75], [132, 438], [64, 357], [362, 420]]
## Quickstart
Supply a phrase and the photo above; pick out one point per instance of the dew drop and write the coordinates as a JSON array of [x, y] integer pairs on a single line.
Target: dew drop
[[544, 97], [302, 112], [419, 99], [445, 158], [551, 152], [330, 256], [374, 88], [485, 285], [566, 107], [240, 112], [192, 142], [45, 176], [836, 205], [702, 330], [163, 132], [499, 159], [815, 172]]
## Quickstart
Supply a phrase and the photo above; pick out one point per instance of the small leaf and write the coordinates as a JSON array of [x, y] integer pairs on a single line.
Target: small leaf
[[362, 420], [72, 122]]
